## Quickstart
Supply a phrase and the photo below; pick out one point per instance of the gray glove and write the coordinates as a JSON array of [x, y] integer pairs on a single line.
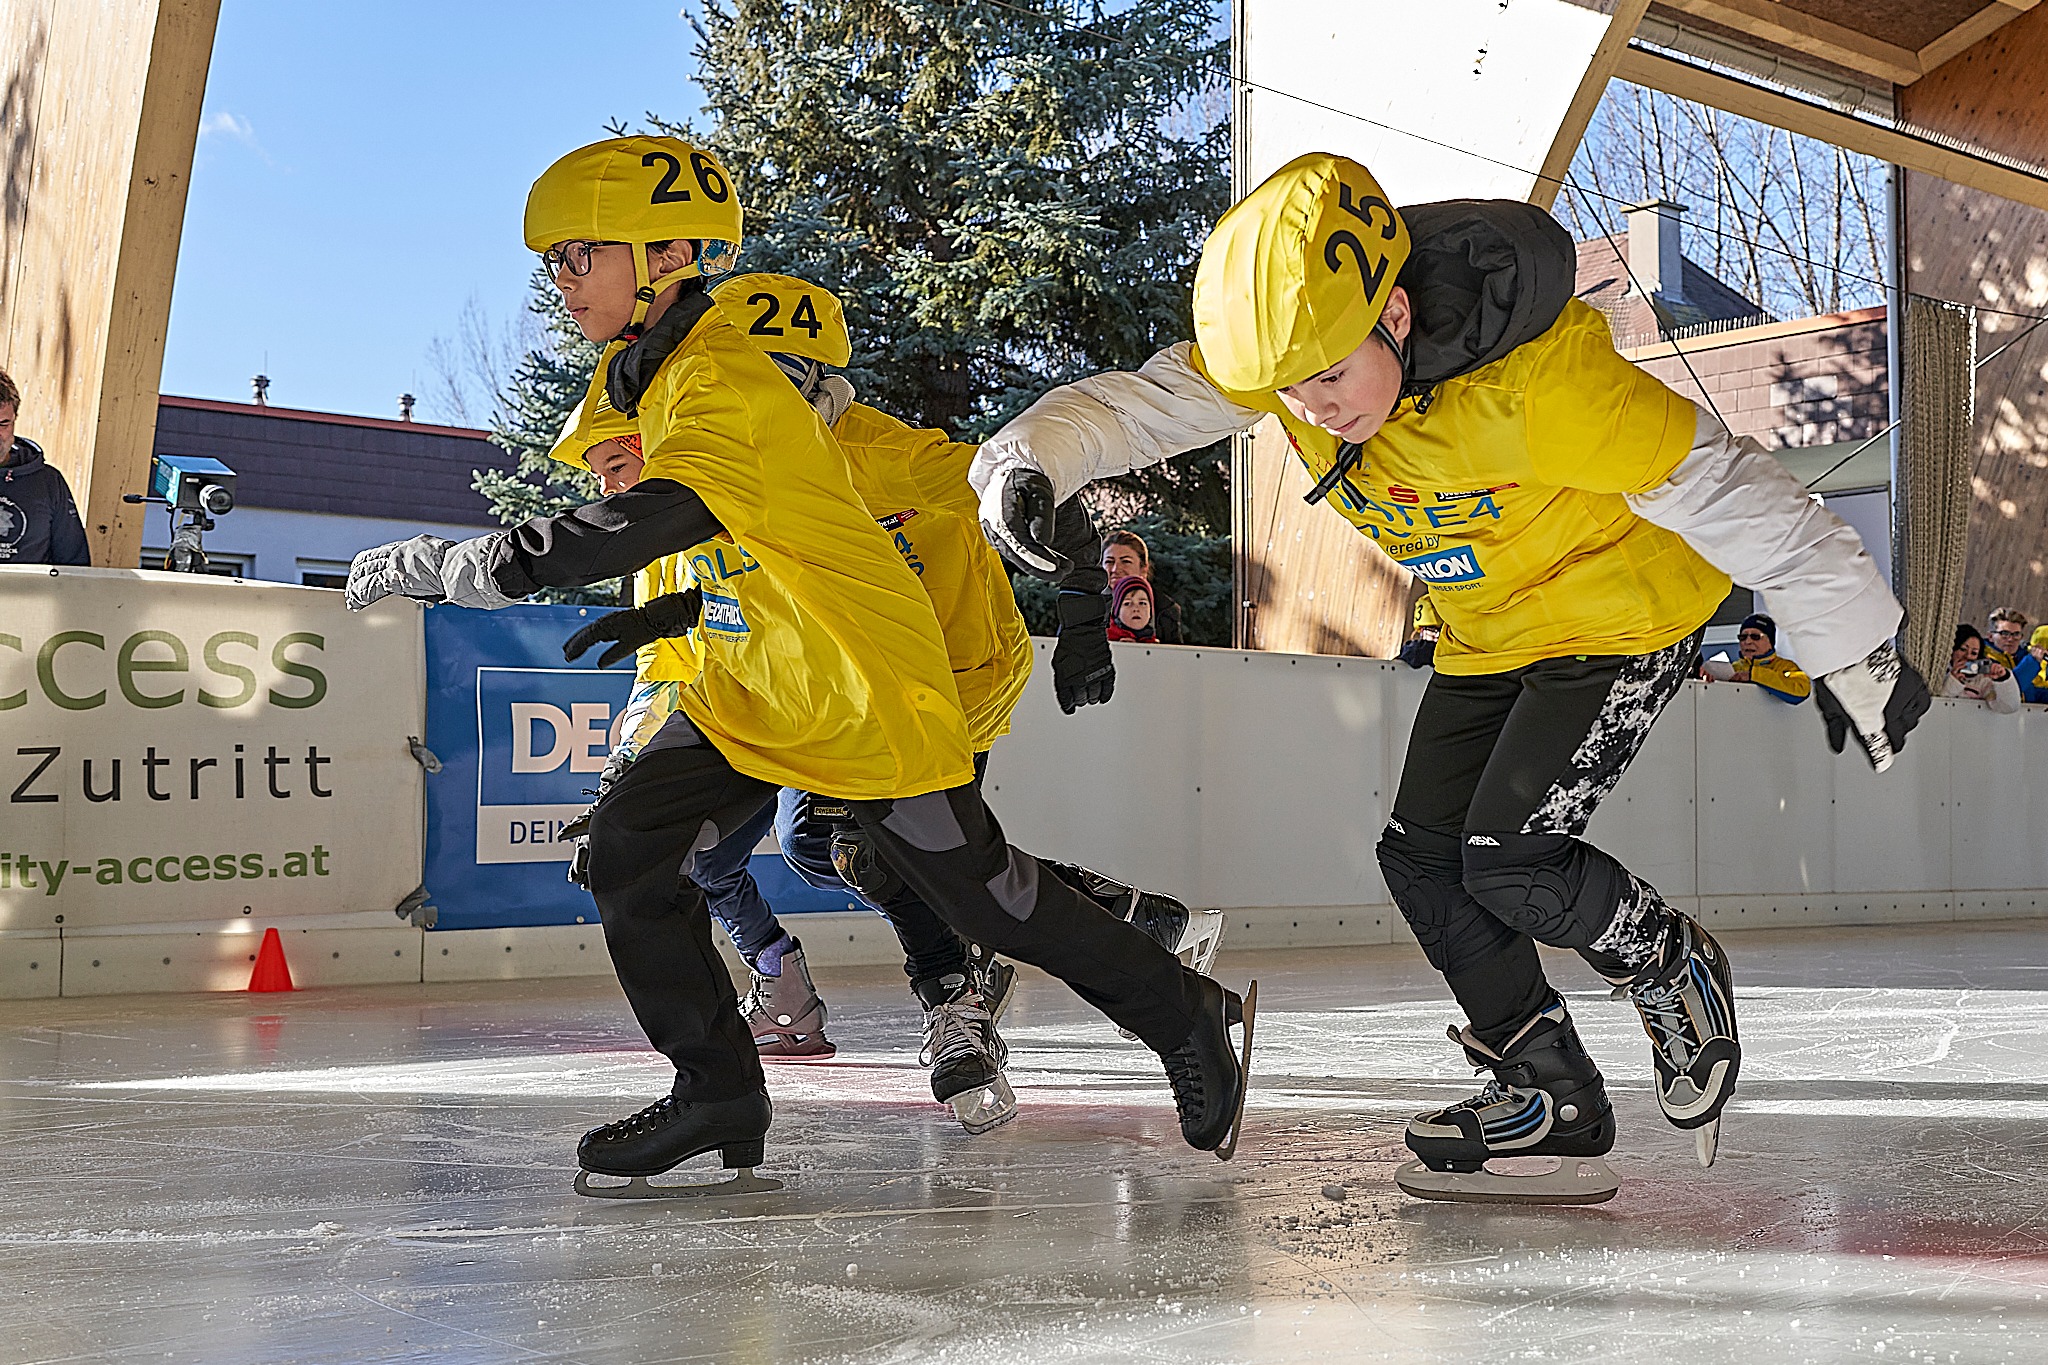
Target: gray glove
[[428, 569]]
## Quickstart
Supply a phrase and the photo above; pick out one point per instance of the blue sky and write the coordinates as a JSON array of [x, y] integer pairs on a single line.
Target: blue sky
[[361, 172]]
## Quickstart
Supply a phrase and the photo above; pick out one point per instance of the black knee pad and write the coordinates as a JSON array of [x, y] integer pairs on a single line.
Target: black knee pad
[[1424, 874], [1552, 887], [860, 865]]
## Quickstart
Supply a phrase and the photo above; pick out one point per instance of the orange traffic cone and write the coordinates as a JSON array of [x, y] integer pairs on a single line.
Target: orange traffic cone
[[271, 973]]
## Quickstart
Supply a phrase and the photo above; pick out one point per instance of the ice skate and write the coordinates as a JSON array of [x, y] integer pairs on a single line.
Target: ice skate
[[1209, 1079], [1686, 996], [965, 1053], [994, 978], [1545, 1099], [783, 1009], [1191, 935], [669, 1132]]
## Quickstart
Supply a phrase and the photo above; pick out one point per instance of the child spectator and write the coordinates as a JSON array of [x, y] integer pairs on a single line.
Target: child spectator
[[2031, 674], [38, 520], [1125, 555], [1973, 677], [1131, 615], [2007, 637]]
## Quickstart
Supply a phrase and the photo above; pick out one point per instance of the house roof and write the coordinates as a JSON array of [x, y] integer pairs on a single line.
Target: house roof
[[291, 460], [1603, 281]]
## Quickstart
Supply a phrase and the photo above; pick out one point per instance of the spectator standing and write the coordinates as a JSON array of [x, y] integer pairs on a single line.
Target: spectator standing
[[38, 520], [1973, 677], [2007, 638], [1125, 555], [1131, 612], [2032, 672]]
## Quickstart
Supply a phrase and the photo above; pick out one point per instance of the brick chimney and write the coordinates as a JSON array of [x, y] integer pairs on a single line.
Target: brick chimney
[[1653, 255]]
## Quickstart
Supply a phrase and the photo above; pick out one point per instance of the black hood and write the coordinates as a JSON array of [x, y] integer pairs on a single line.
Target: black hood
[[1484, 276], [634, 368], [25, 456]]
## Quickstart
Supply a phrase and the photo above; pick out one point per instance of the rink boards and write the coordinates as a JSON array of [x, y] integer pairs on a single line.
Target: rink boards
[[1251, 782]]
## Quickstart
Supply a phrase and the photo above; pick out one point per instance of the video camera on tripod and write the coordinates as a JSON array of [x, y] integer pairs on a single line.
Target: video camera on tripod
[[194, 489]]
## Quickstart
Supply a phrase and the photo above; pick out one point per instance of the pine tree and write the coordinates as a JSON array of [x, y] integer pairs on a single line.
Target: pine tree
[[1004, 199]]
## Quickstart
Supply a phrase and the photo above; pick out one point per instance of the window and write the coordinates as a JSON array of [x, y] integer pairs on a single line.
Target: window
[[217, 565], [323, 573]]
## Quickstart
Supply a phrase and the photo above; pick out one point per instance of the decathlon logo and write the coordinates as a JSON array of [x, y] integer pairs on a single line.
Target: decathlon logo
[[723, 615], [1451, 564]]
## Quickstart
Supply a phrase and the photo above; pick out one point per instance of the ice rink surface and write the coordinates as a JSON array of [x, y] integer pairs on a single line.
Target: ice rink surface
[[383, 1175]]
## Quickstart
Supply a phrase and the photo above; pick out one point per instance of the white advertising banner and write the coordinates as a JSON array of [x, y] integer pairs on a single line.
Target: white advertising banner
[[178, 749]]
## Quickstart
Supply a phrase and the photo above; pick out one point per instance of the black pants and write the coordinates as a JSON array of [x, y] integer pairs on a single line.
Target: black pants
[[808, 826], [681, 795], [1484, 854]]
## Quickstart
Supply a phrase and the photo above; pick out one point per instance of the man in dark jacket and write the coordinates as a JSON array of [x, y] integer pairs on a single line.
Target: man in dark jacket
[[38, 521]]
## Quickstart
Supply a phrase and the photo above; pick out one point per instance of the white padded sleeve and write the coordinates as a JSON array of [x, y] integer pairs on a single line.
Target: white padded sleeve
[[1112, 423], [1752, 520]]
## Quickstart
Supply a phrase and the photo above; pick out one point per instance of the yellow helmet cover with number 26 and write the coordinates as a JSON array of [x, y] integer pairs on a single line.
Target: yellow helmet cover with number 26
[[1294, 277], [639, 190]]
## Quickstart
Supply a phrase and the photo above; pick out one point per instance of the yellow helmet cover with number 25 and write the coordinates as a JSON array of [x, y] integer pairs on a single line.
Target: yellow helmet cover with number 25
[[1294, 277]]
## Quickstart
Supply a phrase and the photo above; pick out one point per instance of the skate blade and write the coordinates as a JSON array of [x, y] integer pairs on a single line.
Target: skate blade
[[1577, 1180], [1706, 1142], [1227, 1148], [824, 1052], [744, 1181], [985, 1106]]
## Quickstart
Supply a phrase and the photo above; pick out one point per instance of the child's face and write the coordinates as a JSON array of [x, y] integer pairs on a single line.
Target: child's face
[[1136, 611], [616, 467]]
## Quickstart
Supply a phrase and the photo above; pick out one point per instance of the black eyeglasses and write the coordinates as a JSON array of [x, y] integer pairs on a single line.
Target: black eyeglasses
[[2011, 630], [1752, 635], [573, 256]]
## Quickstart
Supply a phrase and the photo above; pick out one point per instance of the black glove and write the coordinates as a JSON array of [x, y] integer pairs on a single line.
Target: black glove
[[1886, 676], [666, 616], [1083, 673], [1022, 527]]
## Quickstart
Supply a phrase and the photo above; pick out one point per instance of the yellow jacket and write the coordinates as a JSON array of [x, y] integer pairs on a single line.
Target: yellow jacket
[[1777, 675], [914, 483], [819, 664], [1506, 498]]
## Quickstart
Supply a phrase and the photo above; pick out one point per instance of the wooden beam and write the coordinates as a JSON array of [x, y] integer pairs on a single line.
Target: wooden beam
[[1621, 26], [1689, 82], [1971, 31], [1810, 36]]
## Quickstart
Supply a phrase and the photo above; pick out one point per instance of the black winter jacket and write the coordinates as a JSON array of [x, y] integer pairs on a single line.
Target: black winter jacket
[[38, 521]]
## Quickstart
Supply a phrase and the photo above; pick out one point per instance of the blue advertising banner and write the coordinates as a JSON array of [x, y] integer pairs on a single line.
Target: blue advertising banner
[[522, 738]]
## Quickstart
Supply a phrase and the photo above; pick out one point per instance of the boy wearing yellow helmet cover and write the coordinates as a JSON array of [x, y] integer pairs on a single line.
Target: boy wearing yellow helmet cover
[[915, 485], [1575, 522], [822, 665]]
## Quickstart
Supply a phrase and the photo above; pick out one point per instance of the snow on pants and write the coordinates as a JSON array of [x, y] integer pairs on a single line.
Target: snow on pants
[[1484, 854], [949, 848]]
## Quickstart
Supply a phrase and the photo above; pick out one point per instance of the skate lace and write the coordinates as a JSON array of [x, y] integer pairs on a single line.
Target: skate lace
[[644, 1121], [1666, 1021], [1184, 1077], [955, 1029]]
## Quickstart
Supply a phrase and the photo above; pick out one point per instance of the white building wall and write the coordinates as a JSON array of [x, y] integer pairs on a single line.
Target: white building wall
[[274, 545]]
